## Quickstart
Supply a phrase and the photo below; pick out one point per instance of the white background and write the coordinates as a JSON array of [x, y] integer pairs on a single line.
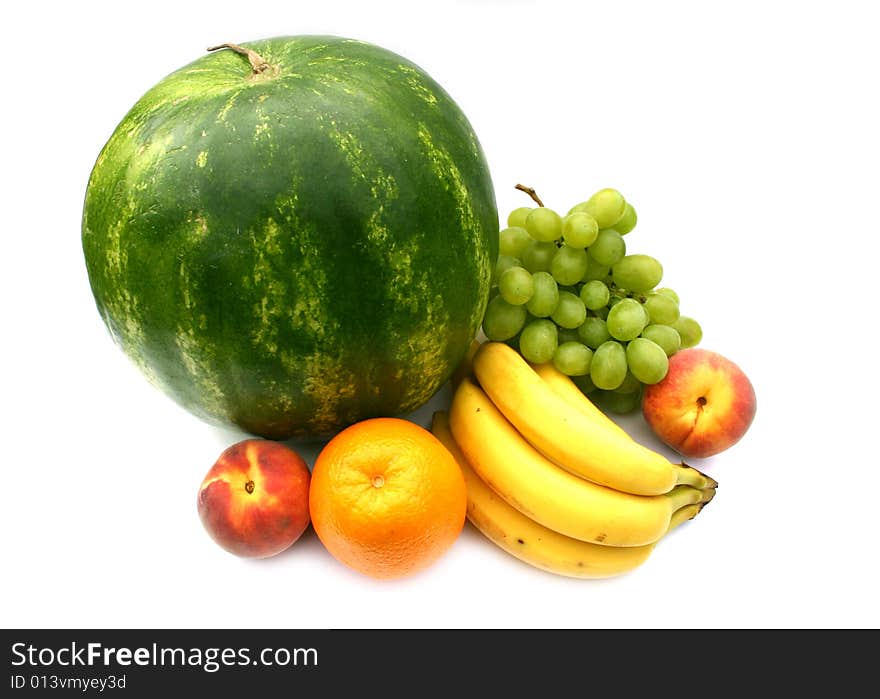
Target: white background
[[745, 134]]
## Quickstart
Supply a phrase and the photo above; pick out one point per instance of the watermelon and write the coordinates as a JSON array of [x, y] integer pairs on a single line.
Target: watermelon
[[292, 235]]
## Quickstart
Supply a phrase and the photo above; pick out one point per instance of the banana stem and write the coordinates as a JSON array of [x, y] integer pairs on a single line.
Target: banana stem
[[687, 475], [682, 495], [684, 514]]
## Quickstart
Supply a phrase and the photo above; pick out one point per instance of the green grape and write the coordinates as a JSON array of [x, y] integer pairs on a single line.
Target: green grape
[[630, 384], [608, 368], [595, 294], [609, 248], [666, 291], [662, 309], [512, 241], [595, 270], [537, 256], [593, 332], [585, 383], [502, 263], [690, 331], [619, 403], [579, 229], [545, 297], [647, 361], [602, 312], [568, 265], [570, 311], [638, 273], [573, 358], [607, 206], [628, 221], [544, 224], [664, 335], [646, 315], [516, 285], [503, 320], [626, 320], [517, 217], [567, 335], [538, 341]]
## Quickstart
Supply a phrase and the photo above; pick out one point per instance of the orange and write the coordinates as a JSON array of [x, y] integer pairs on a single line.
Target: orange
[[386, 497]]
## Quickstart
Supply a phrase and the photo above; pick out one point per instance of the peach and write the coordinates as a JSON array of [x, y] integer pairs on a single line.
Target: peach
[[704, 404], [254, 501]]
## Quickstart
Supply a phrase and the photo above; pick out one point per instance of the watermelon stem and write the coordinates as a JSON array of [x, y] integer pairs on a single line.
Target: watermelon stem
[[259, 64], [531, 192]]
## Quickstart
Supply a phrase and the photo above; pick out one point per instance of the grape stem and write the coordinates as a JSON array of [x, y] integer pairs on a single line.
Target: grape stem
[[531, 192], [641, 298]]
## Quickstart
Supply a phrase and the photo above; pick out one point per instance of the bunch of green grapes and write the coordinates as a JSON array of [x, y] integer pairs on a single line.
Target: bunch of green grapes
[[565, 290]]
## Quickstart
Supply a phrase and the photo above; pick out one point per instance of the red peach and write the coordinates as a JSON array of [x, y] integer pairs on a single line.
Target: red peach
[[704, 405], [254, 502]]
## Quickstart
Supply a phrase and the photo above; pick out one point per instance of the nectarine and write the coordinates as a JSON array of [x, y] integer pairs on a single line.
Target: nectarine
[[704, 404], [254, 501]]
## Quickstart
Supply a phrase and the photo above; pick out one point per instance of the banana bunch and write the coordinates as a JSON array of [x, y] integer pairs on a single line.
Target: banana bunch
[[551, 479]]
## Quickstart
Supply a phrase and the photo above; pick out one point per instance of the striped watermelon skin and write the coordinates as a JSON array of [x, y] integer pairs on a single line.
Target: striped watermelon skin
[[291, 252]]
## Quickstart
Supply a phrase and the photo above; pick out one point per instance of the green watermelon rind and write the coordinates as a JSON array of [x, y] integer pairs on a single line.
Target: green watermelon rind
[[293, 253]]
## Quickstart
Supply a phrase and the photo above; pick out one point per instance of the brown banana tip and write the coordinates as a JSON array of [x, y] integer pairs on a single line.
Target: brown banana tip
[[710, 482]]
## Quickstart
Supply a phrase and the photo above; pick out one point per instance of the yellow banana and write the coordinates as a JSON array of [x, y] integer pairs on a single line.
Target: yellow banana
[[566, 388], [550, 495], [582, 444], [534, 543]]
